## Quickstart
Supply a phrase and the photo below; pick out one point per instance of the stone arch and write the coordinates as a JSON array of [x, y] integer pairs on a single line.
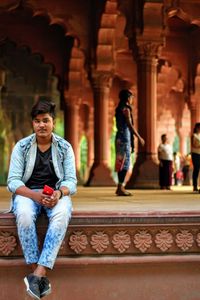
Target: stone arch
[[169, 80], [166, 124], [194, 99], [23, 81], [76, 74], [10, 58], [197, 81], [170, 95], [105, 46], [47, 35]]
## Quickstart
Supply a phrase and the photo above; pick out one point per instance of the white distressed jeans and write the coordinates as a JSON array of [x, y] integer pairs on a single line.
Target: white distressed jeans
[[26, 211]]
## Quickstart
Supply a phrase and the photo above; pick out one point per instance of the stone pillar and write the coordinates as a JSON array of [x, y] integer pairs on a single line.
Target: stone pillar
[[145, 171], [195, 110], [100, 173], [72, 125], [90, 154]]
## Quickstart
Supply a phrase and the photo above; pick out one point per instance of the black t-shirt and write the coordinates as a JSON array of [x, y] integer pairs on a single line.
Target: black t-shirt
[[43, 172]]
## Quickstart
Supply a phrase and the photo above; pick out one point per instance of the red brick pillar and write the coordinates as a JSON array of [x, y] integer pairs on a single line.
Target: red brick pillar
[[145, 172], [100, 173]]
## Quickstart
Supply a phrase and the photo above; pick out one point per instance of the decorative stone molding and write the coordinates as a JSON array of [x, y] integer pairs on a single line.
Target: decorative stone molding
[[78, 242], [114, 235], [184, 240], [121, 241], [99, 241], [198, 240], [164, 240], [7, 243], [143, 241]]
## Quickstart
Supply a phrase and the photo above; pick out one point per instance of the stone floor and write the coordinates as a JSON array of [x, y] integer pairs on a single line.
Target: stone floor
[[100, 200]]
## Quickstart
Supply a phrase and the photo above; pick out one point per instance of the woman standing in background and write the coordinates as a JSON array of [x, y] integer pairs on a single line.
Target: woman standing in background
[[195, 150], [165, 156], [124, 139]]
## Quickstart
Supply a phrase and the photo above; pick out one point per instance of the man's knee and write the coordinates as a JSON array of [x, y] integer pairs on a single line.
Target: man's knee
[[62, 217], [25, 218]]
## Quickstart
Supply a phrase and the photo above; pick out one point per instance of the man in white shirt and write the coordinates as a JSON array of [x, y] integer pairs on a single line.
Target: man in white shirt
[[165, 156]]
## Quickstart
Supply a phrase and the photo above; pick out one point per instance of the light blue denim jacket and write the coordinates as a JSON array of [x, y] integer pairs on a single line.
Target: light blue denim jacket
[[23, 161]]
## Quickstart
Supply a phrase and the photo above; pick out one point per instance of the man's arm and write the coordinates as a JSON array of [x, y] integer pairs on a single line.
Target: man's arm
[[69, 183], [16, 169]]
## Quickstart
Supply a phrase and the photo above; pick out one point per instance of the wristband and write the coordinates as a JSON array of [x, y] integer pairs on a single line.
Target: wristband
[[61, 194]]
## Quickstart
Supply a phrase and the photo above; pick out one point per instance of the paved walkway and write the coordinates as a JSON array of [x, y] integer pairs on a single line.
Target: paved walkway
[[100, 200]]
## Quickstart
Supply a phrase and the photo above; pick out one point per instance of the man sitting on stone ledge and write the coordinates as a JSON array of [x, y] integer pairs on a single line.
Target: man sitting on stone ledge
[[40, 159]]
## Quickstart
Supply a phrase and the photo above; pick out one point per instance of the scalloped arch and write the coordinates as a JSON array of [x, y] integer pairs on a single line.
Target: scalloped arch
[[35, 12], [105, 47], [169, 78], [13, 51]]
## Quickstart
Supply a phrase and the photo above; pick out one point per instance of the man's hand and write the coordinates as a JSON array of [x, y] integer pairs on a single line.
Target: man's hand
[[51, 201]]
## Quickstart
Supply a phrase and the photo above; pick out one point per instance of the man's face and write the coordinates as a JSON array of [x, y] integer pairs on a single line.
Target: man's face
[[43, 125]]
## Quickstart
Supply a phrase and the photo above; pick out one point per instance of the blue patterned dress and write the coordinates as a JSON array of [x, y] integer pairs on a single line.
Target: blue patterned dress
[[124, 139]]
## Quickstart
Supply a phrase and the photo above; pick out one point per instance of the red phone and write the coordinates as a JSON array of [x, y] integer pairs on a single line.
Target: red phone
[[47, 190]]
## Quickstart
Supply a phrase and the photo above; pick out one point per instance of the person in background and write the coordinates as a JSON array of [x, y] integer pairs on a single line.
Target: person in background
[[124, 142], [187, 169], [195, 150], [165, 156], [40, 159], [178, 175]]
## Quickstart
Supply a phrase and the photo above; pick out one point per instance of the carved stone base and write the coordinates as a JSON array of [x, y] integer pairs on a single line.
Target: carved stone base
[[145, 175], [100, 175]]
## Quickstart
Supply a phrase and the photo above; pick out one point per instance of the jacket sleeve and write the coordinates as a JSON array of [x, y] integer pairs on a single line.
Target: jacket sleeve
[[16, 169], [69, 169]]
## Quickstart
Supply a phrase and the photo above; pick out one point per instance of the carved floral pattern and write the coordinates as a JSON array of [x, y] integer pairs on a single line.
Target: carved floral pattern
[[7, 243], [78, 241], [184, 240], [164, 240], [198, 239], [99, 241], [143, 240], [121, 241]]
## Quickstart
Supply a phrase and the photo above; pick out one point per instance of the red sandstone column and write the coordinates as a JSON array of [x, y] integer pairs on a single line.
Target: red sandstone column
[[90, 155], [183, 141], [72, 125], [145, 172], [195, 110], [100, 173]]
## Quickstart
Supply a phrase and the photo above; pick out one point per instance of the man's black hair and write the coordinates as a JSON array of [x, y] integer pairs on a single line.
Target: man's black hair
[[43, 106]]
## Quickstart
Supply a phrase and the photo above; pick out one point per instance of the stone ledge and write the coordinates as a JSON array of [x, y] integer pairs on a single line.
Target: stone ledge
[[114, 235], [108, 260]]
